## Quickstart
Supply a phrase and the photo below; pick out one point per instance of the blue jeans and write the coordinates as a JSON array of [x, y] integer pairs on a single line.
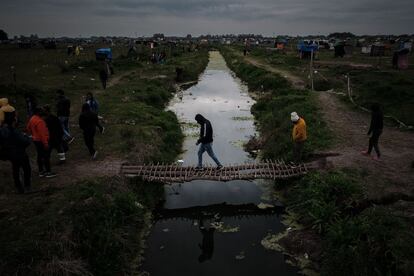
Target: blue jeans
[[64, 121], [209, 148]]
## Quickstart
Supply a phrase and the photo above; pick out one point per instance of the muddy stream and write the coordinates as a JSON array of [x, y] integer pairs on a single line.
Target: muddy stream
[[210, 227]]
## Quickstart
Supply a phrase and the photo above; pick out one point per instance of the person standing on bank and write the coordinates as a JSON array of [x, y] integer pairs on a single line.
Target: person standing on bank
[[88, 122], [206, 141], [14, 144], [299, 136], [375, 128], [63, 113], [40, 135]]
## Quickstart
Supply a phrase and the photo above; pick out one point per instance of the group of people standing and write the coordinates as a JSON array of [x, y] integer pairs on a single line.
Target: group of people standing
[[47, 132]]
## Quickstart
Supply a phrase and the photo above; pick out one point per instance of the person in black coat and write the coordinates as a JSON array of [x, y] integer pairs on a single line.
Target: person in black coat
[[63, 113], [14, 144], [375, 130], [88, 122], [206, 141], [56, 134]]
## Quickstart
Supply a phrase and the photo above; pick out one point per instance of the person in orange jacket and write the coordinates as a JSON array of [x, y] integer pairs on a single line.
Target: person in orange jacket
[[299, 136], [40, 135]]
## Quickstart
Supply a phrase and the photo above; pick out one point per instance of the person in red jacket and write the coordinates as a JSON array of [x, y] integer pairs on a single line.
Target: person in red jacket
[[40, 135]]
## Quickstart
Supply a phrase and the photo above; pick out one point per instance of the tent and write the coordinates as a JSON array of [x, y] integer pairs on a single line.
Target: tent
[[104, 54], [400, 59]]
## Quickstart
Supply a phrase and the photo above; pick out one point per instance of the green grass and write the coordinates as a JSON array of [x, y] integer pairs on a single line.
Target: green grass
[[374, 242], [382, 84], [95, 226], [272, 109]]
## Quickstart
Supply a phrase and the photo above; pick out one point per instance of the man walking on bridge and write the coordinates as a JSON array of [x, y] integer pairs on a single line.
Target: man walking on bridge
[[299, 136], [206, 141]]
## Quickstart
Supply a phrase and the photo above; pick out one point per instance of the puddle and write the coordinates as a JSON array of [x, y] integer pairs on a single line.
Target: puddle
[[216, 228]]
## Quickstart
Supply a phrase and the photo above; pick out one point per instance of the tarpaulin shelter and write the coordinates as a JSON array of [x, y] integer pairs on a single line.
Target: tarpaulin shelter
[[400, 59], [281, 44], [339, 49], [103, 54], [305, 49]]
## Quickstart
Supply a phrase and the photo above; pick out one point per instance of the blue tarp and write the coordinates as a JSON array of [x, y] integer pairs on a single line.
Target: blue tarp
[[307, 47], [103, 53]]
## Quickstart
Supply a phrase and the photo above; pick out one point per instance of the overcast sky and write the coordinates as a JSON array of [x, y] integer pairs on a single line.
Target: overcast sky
[[180, 17]]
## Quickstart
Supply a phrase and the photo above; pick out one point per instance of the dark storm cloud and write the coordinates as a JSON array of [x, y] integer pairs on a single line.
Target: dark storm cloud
[[200, 16]]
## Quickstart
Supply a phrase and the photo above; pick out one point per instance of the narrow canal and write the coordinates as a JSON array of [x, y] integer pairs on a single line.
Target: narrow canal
[[216, 240]]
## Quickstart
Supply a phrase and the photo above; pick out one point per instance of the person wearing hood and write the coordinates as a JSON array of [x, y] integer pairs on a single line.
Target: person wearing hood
[[14, 144], [63, 113], [299, 136], [375, 128], [88, 122], [40, 135], [6, 111], [206, 141]]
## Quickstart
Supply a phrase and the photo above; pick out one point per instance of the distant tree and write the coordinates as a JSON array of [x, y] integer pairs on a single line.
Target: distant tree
[[341, 35], [3, 35]]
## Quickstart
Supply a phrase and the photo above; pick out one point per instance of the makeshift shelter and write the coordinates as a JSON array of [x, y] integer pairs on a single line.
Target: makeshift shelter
[[281, 44], [377, 50], [104, 54], [306, 49], [339, 49], [400, 59]]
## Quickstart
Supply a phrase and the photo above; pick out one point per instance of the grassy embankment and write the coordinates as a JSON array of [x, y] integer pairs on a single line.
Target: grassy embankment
[[90, 225], [354, 240], [375, 81]]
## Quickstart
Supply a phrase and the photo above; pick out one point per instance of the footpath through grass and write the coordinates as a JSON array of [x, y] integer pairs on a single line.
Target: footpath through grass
[[352, 240], [374, 82], [93, 225]]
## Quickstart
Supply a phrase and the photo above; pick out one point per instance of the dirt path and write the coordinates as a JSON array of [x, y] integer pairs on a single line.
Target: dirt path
[[394, 174], [296, 81], [77, 167]]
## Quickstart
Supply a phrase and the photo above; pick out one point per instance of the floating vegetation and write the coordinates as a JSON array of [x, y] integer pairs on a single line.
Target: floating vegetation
[[243, 118], [265, 205], [238, 143], [222, 228]]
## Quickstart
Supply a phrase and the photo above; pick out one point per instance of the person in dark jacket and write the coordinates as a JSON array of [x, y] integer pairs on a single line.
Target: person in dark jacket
[[88, 122], [103, 76], [207, 245], [375, 130], [206, 141], [56, 133], [93, 103], [63, 113], [31, 104], [14, 144]]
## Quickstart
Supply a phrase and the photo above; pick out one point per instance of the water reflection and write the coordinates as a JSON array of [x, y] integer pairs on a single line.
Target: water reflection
[[220, 219]]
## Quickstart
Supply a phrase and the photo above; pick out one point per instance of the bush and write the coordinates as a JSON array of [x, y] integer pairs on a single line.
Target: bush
[[322, 198], [375, 243]]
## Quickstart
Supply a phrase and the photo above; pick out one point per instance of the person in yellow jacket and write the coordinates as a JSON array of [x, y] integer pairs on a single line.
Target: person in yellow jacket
[[299, 136], [6, 110]]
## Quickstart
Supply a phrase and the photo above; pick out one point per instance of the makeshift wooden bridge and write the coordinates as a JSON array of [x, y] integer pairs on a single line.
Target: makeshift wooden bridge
[[175, 173]]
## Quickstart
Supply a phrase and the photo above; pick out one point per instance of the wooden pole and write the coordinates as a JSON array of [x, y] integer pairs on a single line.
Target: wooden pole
[[311, 70]]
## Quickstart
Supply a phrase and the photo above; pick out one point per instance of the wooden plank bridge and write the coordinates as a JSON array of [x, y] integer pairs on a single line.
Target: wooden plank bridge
[[175, 173]]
